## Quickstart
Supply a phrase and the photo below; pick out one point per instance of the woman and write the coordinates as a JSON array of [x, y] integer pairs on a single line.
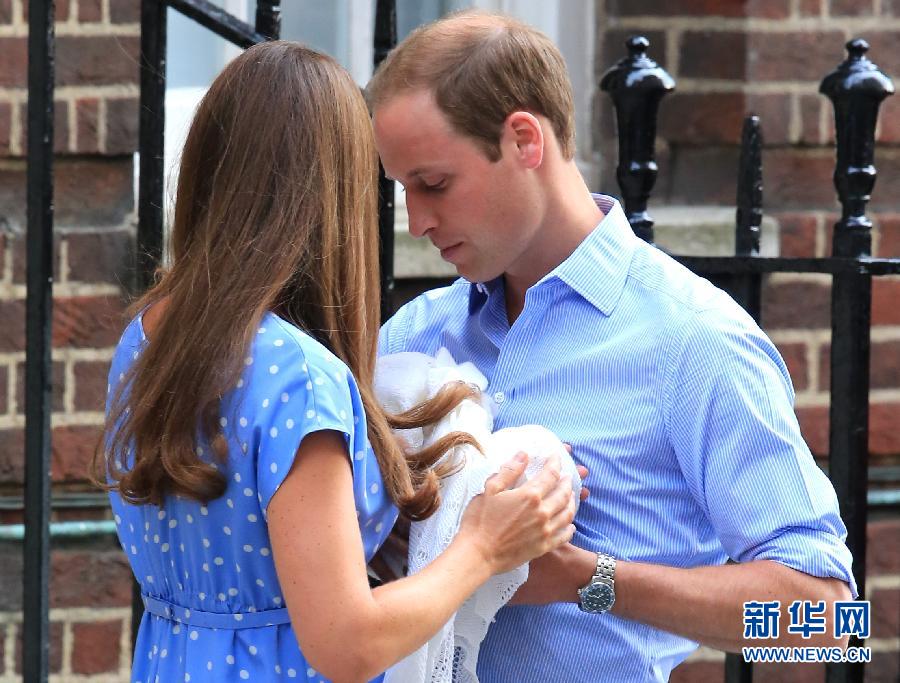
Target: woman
[[252, 473]]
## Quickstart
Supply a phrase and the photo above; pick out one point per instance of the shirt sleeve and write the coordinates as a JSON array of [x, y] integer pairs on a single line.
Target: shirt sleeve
[[729, 410], [304, 393]]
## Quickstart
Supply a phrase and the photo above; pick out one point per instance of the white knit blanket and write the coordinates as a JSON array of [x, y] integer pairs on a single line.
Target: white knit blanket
[[402, 381]]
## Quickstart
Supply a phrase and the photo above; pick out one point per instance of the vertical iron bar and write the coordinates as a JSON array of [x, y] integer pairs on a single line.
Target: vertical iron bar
[[38, 341], [268, 18], [746, 289], [636, 85], [151, 148], [856, 89], [385, 39]]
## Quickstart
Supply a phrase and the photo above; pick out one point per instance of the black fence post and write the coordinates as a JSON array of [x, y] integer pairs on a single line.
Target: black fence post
[[385, 39], [636, 85], [856, 88], [268, 19], [38, 341]]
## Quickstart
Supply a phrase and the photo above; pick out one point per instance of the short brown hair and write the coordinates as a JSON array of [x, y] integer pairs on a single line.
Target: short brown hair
[[482, 67]]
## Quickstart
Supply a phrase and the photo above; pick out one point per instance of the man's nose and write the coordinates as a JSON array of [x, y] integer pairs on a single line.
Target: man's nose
[[421, 220]]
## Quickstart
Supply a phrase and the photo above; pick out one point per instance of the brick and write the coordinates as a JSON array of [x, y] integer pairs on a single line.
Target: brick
[[885, 612], [797, 179], [90, 11], [125, 11], [774, 113], [19, 266], [61, 10], [13, 62], [882, 549], [4, 389], [884, 438], [101, 257], [851, 8], [789, 673], [91, 577], [886, 195], [796, 234], [697, 8], [713, 54], [97, 60], [769, 9], [883, 51], [888, 128], [614, 47], [798, 304], [814, 427], [12, 325], [95, 647], [810, 8], [889, 235], [700, 118], [885, 666], [60, 126], [6, 12], [698, 672], [87, 321], [12, 456], [885, 365], [55, 659], [793, 56], [794, 355], [90, 385], [5, 127], [87, 117], [810, 112], [699, 175], [885, 295], [122, 126], [58, 377]]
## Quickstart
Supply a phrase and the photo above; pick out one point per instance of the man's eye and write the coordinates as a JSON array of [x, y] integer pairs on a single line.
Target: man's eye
[[436, 187]]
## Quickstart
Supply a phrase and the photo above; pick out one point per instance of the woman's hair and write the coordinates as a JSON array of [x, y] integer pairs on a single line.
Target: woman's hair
[[275, 211], [481, 67]]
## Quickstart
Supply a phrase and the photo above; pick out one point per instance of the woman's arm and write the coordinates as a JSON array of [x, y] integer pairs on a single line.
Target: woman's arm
[[350, 632]]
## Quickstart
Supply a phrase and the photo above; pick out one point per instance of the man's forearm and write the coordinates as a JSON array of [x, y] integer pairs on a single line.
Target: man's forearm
[[701, 603]]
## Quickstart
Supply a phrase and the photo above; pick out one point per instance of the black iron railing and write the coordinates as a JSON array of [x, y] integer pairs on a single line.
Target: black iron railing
[[637, 86]]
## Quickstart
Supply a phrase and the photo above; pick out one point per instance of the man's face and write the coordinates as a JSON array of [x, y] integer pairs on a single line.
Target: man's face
[[474, 210]]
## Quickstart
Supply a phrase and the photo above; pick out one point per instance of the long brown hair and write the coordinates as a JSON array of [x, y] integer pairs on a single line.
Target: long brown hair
[[275, 211]]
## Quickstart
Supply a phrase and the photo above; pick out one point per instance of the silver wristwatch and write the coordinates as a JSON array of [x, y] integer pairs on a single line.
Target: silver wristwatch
[[599, 594]]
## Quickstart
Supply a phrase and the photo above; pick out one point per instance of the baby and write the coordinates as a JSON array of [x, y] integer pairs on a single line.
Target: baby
[[403, 381]]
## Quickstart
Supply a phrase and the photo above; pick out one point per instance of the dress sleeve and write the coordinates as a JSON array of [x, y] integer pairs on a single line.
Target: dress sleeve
[[302, 392], [728, 405]]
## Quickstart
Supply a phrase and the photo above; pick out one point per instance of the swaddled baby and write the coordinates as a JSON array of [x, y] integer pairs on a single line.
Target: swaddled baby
[[402, 381]]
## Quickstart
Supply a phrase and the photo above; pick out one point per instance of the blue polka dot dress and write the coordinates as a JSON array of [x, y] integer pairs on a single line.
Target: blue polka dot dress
[[214, 607]]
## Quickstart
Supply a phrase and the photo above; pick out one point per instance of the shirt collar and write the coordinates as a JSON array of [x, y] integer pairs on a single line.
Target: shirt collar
[[597, 269]]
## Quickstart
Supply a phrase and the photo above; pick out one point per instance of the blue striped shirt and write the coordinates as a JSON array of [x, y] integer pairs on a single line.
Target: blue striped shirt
[[680, 407]]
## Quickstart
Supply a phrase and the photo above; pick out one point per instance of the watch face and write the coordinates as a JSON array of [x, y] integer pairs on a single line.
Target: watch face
[[597, 597]]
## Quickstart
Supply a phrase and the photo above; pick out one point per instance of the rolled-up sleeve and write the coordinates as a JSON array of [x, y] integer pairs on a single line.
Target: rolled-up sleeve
[[729, 412]]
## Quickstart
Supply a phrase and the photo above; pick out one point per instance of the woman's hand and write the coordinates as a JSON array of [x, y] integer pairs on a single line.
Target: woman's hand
[[511, 526]]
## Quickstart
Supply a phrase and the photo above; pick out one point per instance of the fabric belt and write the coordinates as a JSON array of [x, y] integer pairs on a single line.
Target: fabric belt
[[232, 620]]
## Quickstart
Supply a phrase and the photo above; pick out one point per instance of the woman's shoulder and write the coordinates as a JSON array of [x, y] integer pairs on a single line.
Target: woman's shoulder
[[280, 342]]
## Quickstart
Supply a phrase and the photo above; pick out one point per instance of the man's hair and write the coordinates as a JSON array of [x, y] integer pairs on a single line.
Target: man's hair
[[480, 68]]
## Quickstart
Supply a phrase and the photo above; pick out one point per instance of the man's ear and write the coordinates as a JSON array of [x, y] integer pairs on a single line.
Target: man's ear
[[525, 137]]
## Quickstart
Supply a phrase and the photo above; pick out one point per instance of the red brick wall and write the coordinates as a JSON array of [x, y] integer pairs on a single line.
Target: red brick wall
[[96, 109], [735, 57]]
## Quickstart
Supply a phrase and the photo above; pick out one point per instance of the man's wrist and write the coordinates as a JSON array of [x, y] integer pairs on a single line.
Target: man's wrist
[[581, 565]]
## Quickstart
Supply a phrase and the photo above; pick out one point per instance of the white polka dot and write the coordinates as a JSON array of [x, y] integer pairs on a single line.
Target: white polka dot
[[194, 635], [251, 517], [264, 552], [245, 674], [278, 668], [240, 383], [205, 542], [252, 649], [273, 369], [149, 579], [310, 414], [273, 432], [118, 519], [289, 423], [229, 503], [218, 561], [285, 397], [273, 468], [238, 617], [292, 673], [276, 600], [202, 596], [379, 527], [232, 592], [163, 653], [209, 666], [159, 515], [204, 510], [190, 519], [206, 567], [360, 455], [199, 452], [173, 523], [265, 403], [187, 677], [227, 530], [260, 583], [248, 548], [309, 386], [248, 360], [374, 488], [243, 422], [176, 629], [221, 597], [229, 659], [310, 672], [248, 492], [223, 421], [244, 447], [278, 342], [164, 547], [155, 538]]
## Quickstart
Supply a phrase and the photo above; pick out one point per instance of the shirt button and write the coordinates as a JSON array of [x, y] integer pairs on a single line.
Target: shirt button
[[499, 397]]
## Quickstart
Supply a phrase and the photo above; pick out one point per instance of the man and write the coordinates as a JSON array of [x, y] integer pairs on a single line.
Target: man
[[673, 398]]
